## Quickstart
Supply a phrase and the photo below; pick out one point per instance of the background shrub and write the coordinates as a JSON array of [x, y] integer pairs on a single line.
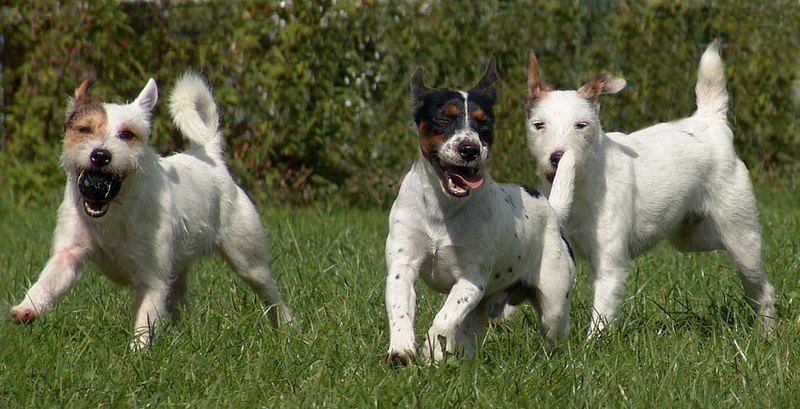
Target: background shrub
[[314, 96]]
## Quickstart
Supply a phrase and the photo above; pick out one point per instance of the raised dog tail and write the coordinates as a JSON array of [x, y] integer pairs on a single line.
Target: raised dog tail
[[195, 113], [562, 193], [712, 97]]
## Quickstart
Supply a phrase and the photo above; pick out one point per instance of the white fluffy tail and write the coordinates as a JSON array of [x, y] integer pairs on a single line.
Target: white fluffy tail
[[712, 97], [562, 192], [195, 113]]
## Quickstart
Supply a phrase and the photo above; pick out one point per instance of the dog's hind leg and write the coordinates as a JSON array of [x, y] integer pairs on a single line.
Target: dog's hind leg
[[243, 242], [737, 224], [471, 332], [178, 298]]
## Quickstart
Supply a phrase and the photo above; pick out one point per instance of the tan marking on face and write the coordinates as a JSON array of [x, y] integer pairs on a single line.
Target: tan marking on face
[[429, 143], [84, 125], [452, 111], [479, 115]]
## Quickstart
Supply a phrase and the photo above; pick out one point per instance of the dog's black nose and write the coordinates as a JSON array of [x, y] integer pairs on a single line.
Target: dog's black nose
[[555, 157], [469, 151], [100, 157]]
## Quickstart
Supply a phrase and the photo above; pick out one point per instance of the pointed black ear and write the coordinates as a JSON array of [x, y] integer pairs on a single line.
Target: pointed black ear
[[418, 88], [488, 84]]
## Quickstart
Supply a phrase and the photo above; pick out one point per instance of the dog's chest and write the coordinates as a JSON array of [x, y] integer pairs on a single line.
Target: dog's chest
[[496, 249]]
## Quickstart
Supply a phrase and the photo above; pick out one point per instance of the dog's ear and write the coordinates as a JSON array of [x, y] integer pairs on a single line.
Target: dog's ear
[[82, 92], [488, 84], [82, 98], [148, 97], [418, 88], [604, 84], [536, 88]]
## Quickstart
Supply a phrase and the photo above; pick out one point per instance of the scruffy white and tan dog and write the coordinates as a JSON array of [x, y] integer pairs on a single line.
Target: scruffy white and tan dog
[[484, 244], [679, 180], [142, 218]]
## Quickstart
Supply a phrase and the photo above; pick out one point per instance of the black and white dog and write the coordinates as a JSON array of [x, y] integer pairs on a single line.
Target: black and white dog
[[484, 244]]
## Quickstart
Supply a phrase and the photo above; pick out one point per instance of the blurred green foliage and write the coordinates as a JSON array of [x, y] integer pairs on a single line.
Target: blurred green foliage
[[314, 96]]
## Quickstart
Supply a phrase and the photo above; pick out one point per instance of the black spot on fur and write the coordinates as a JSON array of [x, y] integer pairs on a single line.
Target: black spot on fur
[[533, 192], [690, 134]]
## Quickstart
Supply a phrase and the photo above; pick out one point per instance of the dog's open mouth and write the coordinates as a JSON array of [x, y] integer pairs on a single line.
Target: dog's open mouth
[[458, 181], [97, 189]]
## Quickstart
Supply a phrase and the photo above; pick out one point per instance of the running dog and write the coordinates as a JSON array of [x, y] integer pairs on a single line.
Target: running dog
[[143, 219], [485, 245]]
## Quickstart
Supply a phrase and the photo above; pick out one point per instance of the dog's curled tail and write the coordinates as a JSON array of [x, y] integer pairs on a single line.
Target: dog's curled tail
[[712, 97], [562, 193], [195, 113]]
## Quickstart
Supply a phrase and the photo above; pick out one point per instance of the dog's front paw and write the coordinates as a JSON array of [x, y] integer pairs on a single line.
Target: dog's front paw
[[400, 356], [23, 315], [439, 347]]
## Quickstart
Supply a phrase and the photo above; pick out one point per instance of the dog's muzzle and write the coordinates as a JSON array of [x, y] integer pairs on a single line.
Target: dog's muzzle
[[555, 157], [97, 190], [458, 181]]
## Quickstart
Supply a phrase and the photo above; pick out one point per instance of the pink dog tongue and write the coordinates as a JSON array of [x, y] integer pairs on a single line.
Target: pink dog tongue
[[471, 181]]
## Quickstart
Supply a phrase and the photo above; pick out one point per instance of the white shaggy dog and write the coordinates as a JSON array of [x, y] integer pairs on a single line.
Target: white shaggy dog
[[679, 180], [484, 244], [144, 219]]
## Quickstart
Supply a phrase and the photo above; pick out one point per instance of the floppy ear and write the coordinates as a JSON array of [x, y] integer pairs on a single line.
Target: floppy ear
[[604, 84], [488, 84], [418, 89], [148, 97]]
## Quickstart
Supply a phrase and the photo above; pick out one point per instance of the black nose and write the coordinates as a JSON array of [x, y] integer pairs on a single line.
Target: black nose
[[100, 157], [555, 157], [469, 151]]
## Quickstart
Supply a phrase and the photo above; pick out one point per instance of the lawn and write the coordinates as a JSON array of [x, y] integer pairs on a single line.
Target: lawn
[[685, 336]]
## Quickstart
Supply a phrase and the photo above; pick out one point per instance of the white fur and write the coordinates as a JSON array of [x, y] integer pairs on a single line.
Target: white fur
[[679, 180], [475, 249], [169, 212]]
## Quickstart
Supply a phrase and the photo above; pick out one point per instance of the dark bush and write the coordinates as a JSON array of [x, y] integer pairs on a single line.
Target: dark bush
[[314, 96]]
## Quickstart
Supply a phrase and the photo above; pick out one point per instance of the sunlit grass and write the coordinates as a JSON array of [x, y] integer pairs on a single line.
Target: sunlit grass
[[685, 336]]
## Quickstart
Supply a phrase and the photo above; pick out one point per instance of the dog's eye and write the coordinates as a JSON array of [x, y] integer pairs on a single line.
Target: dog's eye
[[538, 125], [580, 125], [84, 129], [126, 135]]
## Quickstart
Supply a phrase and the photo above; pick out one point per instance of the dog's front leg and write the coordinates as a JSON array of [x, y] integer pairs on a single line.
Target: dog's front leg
[[464, 296], [71, 246], [608, 284], [151, 308], [401, 304]]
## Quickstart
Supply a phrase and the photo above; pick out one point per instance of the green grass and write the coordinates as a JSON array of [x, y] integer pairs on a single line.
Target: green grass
[[685, 337]]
